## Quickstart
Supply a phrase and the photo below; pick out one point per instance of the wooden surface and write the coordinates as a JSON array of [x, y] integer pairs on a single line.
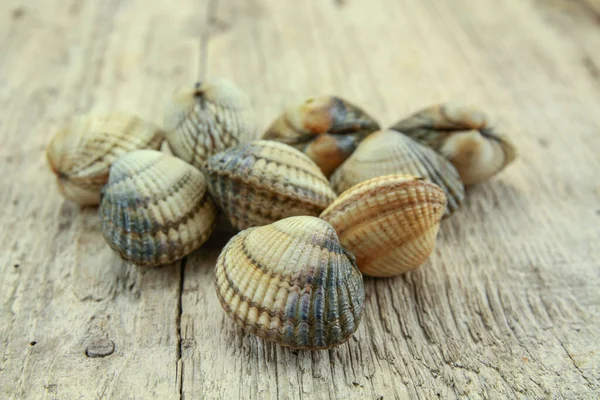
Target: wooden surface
[[507, 307]]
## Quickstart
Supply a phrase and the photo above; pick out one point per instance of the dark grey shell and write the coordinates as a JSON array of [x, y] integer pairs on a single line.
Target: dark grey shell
[[155, 208], [327, 129], [265, 181]]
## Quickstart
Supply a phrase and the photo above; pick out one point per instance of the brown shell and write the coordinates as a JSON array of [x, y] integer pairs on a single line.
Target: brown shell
[[328, 129], [464, 136], [291, 282], [81, 154], [155, 208], [388, 152], [206, 119], [264, 181], [390, 223]]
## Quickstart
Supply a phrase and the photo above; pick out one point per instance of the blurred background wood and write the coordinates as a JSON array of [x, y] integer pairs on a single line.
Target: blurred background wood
[[507, 307]]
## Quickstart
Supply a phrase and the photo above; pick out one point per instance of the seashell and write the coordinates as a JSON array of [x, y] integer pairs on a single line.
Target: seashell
[[155, 208], [81, 154], [291, 282], [462, 135], [390, 223], [388, 152], [265, 181], [206, 119], [328, 129]]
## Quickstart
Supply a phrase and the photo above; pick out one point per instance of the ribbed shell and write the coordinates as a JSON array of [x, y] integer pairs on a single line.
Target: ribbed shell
[[328, 129], [81, 154], [390, 223], [264, 181], [292, 283], [389, 152], [206, 119], [462, 135], [155, 208]]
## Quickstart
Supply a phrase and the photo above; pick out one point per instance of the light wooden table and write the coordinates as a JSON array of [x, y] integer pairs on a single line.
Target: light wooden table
[[507, 307]]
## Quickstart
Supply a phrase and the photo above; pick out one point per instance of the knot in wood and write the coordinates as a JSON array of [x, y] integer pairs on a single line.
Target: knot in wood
[[100, 348]]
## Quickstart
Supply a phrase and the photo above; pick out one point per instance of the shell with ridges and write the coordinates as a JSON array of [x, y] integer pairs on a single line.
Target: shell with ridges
[[328, 129], [464, 136], [264, 181], [291, 282], [206, 119], [81, 154], [155, 208], [390, 223], [388, 152]]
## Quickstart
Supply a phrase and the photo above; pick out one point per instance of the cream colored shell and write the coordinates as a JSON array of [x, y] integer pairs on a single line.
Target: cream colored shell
[[390, 223], [155, 208], [206, 119], [81, 154], [464, 136], [292, 283], [388, 152]]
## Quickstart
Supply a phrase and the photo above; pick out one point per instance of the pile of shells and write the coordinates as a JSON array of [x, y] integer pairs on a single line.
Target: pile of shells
[[322, 198]]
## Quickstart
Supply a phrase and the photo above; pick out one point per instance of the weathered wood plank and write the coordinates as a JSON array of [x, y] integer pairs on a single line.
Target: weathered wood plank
[[508, 305], [580, 21], [66, 299]]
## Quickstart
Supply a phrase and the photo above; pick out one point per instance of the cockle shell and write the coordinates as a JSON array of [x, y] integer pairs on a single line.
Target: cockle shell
[[388, 152], [155, 208], [464, 136], [327, 129], [291, 282], [206, 119], [264, 181], [390, 223], [81, 154]]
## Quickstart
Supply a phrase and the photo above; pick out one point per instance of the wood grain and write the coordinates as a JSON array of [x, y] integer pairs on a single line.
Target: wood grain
[[507, 307], [66, 299]]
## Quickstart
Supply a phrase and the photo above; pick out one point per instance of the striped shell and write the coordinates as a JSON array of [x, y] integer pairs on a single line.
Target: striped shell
[[264, 181], [155, 208], [291, 282], [327, 129], [81, 154], [388, 152], [463, 136], [390, 223], [206, 119]]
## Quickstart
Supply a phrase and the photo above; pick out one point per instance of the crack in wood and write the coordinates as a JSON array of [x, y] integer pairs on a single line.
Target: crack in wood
[[180, 341], [592, 386], [214, 27]]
